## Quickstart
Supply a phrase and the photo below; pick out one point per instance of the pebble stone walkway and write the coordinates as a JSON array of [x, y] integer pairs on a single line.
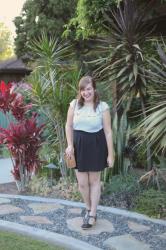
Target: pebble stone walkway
[[112, 231]]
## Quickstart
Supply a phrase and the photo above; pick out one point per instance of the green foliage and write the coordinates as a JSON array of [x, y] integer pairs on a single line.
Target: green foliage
[[39, 185], [88, 18], [122, 183], [121, 133], [23, 242], [123, 62], [153, 128], [6, 50], [54, 83], [38, 15], [4, 152], [152, 203], [67, 189], [123, 53]]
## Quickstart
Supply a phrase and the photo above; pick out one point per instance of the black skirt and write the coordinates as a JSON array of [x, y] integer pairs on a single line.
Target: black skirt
[[90, 150]]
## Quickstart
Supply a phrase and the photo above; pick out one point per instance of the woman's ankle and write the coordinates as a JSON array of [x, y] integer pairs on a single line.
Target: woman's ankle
[[92, 213]]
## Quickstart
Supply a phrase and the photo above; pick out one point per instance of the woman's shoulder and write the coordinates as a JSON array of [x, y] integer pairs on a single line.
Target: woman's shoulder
[[103, 106], [73, 103]]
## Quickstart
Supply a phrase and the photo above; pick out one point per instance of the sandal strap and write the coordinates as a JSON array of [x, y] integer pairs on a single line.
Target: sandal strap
[[87, 219], [93, 217], [85, 216]]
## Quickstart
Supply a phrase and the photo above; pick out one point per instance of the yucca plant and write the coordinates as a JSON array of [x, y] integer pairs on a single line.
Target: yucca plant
[[53, 82]]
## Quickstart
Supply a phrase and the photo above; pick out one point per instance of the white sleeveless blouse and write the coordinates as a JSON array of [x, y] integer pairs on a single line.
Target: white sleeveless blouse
[[86, 119]]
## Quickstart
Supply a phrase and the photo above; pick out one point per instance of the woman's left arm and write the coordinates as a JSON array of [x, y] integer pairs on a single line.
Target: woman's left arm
[[109, 138]]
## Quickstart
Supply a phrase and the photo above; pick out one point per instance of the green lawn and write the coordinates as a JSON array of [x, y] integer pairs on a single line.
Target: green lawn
[[13, 241]]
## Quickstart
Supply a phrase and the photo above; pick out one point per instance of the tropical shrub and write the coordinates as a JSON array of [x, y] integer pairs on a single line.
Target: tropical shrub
[[53, 83], [123, 65], [152, 203], [23, 137], [39, 185]]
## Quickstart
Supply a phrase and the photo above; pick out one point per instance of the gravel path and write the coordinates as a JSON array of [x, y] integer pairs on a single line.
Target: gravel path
[[66, 218]]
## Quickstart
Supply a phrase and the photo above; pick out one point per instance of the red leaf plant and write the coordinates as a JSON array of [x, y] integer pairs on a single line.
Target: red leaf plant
[[7, 96], [23, 138], [12, 101], [24, 141], [18, 108]]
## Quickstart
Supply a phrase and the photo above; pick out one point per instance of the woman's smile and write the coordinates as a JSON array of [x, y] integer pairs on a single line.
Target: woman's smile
[[88, 92]]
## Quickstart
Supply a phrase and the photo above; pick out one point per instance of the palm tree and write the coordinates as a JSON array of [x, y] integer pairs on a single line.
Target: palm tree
[[123, 61]]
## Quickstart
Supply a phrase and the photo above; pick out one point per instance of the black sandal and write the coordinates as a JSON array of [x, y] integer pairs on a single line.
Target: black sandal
[[87, 211], [86, 222]]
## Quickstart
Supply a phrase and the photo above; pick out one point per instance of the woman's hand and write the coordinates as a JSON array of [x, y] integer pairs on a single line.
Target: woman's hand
[[110, 161], [69, 151]]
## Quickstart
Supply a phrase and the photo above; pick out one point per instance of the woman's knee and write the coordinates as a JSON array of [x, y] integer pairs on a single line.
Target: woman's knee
[[83, 180], [82, 186], [94, 180]]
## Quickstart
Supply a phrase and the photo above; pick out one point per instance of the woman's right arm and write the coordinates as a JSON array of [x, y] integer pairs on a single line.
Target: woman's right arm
[[69, 131]]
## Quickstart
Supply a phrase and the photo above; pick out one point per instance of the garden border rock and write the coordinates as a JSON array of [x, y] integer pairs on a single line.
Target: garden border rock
[[46, 236], [118, 211]]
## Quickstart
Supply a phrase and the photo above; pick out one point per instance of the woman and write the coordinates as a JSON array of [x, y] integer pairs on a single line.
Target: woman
[[89, 138]]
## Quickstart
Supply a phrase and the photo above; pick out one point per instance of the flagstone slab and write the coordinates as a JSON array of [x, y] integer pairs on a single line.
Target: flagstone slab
[[137, 227], [4, 200], [163, 236], [44, 207], [125, 242], [9, 209], [75, 210], [36, 219], [101, 225]]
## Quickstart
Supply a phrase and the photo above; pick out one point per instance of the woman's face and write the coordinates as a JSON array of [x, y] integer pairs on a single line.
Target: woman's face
[[88, 93]]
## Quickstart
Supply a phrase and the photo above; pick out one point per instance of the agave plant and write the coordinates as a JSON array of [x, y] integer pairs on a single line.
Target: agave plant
[[153, 126]]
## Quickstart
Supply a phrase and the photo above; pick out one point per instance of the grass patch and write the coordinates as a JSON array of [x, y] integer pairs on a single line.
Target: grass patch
[[13, 241]]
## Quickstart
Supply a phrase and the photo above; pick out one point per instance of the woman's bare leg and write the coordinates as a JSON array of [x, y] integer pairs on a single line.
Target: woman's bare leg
[[83, 184], [95, 191]]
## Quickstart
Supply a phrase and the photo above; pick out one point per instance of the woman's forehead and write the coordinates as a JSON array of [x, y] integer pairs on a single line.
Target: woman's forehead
[[89, 85]]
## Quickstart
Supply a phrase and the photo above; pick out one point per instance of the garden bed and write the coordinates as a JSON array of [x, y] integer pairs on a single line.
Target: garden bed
[[121, 192]]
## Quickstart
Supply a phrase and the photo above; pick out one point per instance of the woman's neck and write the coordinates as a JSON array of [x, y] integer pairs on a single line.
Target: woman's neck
[[90, 103]]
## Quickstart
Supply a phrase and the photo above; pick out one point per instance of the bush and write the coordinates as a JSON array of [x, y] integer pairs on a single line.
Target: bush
[[151, 203], [39, 185], [67, 189], [121, 183], [121, 191]]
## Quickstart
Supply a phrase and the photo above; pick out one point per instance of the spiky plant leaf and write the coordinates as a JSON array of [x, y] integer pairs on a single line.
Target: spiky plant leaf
[[153, 127]]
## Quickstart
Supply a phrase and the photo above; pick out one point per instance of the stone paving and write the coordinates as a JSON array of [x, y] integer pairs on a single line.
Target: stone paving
[[5, 171], [112, 231]]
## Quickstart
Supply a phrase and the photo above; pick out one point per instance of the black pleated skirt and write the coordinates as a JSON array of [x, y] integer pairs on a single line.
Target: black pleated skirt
[[90, 150]]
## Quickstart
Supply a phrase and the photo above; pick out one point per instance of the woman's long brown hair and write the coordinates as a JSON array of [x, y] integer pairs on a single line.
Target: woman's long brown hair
[[84, 81]]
